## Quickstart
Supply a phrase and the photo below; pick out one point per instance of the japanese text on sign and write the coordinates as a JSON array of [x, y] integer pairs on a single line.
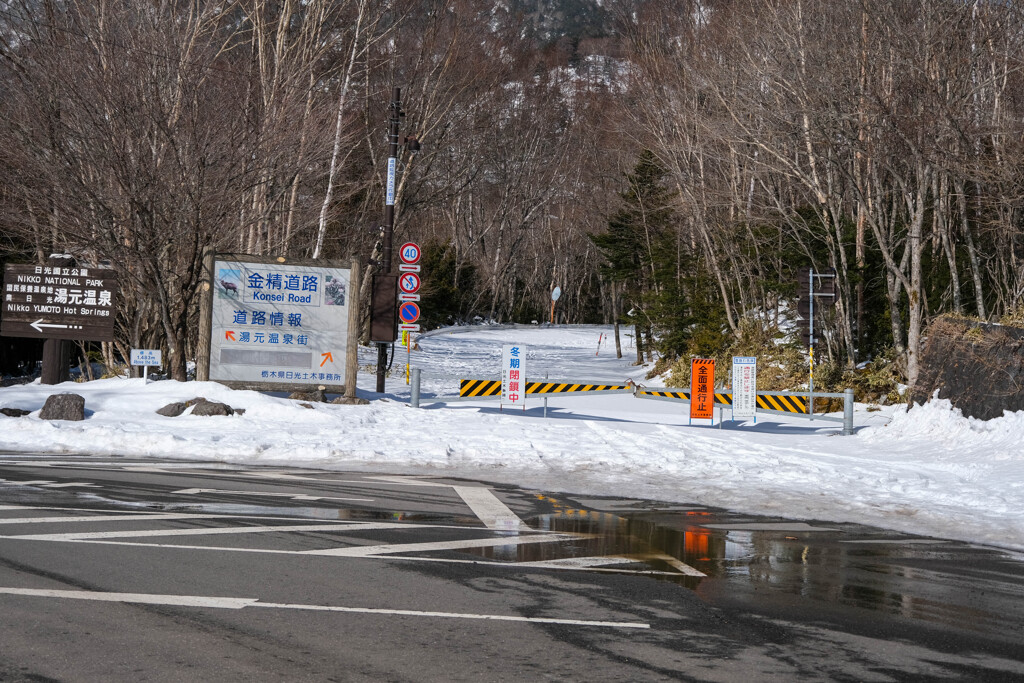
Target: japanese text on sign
[[276, 323], [513, 374], [57, 302], [702, 383], [744, 387]]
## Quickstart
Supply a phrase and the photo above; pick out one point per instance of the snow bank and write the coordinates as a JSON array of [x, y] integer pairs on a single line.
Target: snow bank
[[929, 470]]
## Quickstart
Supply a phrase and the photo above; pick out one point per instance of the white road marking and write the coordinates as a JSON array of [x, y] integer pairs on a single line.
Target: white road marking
[[328, 553], [580, 562], [900, 541], [154, 533], [679, 564], [106, 518], [240, 603], [486, 506], [140, 598], [292, 496], [768, 526], [49, 484], [371, 550]]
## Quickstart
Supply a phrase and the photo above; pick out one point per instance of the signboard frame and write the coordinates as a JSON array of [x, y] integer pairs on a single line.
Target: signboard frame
[[340, 359], [744, 387], [702, 389]]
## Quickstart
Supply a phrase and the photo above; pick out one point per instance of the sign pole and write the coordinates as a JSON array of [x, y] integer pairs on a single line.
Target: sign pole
[[389, 217], [811, 338]]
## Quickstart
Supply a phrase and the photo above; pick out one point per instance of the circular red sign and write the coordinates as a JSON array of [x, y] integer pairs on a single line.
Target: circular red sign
[[409, 253], [409, 312], [409, 283]]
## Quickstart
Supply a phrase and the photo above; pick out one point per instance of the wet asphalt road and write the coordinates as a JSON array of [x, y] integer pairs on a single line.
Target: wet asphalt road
[[115, 569]]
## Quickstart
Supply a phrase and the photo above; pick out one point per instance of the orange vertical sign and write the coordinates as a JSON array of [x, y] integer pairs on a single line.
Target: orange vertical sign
[[702, 383]]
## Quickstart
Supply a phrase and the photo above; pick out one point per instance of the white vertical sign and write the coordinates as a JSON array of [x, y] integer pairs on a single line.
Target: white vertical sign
[[513, 374], [389, 200], [744, 387]]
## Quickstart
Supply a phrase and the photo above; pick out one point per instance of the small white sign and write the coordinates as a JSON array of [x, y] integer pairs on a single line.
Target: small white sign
[[744, 387], [146, 357], [409, 327], [513, 374]]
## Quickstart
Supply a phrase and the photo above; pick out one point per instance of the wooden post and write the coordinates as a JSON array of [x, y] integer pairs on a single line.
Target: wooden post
[[205, 317], [352, 345]]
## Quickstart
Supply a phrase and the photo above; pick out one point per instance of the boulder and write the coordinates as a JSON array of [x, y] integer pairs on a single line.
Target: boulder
[[14, 412], [63, 407], [207, 408], [172, 409], [346, 401], [315, 396]]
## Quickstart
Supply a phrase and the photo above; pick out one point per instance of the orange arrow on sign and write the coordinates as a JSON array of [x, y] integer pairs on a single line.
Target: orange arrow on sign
[[229, 335], [326, 357]]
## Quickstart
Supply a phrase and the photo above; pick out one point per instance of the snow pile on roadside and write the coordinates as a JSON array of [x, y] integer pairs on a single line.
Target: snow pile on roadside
[[928, 470]]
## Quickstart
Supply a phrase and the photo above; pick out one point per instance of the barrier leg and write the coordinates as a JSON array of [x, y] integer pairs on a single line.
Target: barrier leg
[[848, 412], [414, 398]]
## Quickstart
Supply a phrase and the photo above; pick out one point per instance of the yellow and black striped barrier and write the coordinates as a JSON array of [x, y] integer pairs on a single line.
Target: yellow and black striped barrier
[[571, 387], [482, 388], [784, 403], [479, 387]]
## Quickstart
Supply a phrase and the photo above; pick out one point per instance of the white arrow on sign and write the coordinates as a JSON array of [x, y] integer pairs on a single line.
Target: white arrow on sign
[[39, 325]]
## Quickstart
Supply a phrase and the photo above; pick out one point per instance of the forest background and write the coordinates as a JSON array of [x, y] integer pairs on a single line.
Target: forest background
[[667, 163]]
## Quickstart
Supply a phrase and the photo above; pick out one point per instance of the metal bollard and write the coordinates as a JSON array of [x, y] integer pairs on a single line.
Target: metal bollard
[[848, 412], [414, 397]]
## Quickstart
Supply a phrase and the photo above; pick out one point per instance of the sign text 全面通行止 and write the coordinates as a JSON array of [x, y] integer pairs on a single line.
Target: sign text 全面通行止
[[702, 383]]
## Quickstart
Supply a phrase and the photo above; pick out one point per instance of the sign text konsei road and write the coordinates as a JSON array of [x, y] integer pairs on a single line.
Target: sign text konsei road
[[278, 323], [53, 302]]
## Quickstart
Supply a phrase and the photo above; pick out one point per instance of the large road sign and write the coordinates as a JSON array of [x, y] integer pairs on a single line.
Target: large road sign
[[278, 323], [54, 302]]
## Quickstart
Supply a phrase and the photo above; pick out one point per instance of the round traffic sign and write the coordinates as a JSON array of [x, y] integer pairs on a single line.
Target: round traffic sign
[[409, 312], [409, 253], [409, 283]]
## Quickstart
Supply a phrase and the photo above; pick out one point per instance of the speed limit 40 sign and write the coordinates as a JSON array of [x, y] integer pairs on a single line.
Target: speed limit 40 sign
[[409, 253]]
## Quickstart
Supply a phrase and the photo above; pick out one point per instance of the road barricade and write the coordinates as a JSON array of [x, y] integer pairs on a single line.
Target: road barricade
[[791, 403]]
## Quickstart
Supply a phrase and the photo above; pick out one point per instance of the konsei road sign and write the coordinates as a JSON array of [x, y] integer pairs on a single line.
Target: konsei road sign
[[53, 302]]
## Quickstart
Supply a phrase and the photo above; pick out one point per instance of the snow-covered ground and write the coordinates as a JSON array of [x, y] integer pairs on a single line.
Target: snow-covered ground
[[929, 470]]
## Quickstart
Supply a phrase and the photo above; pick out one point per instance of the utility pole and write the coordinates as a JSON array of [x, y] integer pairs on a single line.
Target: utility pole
[[389, 224]]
